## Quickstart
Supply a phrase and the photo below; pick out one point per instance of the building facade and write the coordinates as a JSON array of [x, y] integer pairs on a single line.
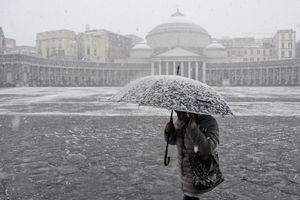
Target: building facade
[[250, 49], [57, 44], [10, 43], [25, 50], [117, 46], [91, 47], [103, 46], [285, 44], [178, 42]]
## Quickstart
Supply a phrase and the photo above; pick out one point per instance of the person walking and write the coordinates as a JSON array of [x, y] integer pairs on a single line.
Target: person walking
[[192, 134]]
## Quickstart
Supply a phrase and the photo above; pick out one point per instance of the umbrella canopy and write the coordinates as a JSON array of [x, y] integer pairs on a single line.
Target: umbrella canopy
[[174, 93]]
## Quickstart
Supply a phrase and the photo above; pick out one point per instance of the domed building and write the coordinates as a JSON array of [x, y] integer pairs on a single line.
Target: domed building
[[216, 53], [179, 42], [178, 31], [140, 53], [141, 50]]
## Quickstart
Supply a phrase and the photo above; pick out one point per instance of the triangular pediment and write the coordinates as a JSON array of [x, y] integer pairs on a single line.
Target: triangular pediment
[[177, 52]]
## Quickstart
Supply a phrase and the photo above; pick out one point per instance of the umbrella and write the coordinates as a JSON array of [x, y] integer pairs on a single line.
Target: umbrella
[[174, 93]]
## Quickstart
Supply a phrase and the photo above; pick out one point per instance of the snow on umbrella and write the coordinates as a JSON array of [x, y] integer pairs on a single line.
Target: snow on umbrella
[[174, 93]]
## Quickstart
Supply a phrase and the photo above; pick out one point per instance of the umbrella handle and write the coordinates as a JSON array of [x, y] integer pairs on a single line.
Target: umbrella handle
[[167, 158]]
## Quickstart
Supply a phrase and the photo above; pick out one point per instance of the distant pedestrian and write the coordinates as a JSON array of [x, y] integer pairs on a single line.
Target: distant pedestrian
[[192, 134]]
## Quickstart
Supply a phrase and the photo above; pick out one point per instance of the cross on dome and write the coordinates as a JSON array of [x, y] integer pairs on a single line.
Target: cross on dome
[[177, 13]]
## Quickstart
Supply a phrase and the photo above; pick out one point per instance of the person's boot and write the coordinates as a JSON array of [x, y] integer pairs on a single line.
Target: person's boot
[[190, 198]]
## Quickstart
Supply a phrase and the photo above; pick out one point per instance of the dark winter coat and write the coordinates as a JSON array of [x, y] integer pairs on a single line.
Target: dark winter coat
[[202, 136]]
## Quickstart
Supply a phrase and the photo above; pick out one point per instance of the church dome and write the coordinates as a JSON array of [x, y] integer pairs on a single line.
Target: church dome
[[216, 53], [178, 31], [141, 46], [141, 50], [177, 23], [215, 45]]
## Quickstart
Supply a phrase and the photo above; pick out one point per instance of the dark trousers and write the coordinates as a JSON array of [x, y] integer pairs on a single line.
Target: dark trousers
[[190, 198]]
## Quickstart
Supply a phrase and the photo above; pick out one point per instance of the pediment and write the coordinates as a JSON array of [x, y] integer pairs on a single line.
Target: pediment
[[178, 52]]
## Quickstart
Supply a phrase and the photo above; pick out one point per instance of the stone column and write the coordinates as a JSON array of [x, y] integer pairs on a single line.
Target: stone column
[[174, 68], [103, 76], [280, 71], [267, 76], [152, 68], [286, 76], [159, 68], [234, 79], [197, 70], [261, 76], [204, 72], [293, 76], [181, 68], [190, 70], [167, 67], [242, 77], [298, 80], [274, 72]]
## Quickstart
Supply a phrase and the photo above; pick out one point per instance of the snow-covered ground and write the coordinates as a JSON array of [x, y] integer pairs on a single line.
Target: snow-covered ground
[[93, 101], [260, 92]]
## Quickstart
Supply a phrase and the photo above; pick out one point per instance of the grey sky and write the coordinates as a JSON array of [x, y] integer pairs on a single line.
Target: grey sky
[[22, 19]]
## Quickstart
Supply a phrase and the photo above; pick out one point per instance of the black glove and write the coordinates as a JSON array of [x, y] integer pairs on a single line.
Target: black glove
[[170, 128]]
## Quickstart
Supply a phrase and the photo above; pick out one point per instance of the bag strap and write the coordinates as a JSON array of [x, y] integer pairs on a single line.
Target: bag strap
[[216, 159]]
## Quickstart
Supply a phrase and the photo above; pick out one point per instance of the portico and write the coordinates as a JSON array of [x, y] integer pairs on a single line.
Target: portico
[[191, 65]]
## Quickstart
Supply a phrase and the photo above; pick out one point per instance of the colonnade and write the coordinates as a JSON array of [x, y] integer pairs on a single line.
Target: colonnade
[[28, 71], [262, 76], [32, 75], [190, 69]]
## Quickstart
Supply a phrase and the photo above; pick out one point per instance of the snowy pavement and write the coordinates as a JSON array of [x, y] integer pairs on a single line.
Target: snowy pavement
[[93, 101], [121, 158], [71, 143]]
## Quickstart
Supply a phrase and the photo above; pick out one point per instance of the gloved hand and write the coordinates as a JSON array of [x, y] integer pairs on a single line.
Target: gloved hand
[[170, 128]]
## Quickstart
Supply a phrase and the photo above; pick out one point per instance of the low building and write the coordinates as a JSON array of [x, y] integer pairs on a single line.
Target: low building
[[116, 46], [25, 50], [10, 43], [91, 47], [250, 49], [59, 44], [102, 46]]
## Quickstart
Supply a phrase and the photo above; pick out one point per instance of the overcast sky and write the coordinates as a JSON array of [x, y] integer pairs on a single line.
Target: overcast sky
[[22, 19]]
